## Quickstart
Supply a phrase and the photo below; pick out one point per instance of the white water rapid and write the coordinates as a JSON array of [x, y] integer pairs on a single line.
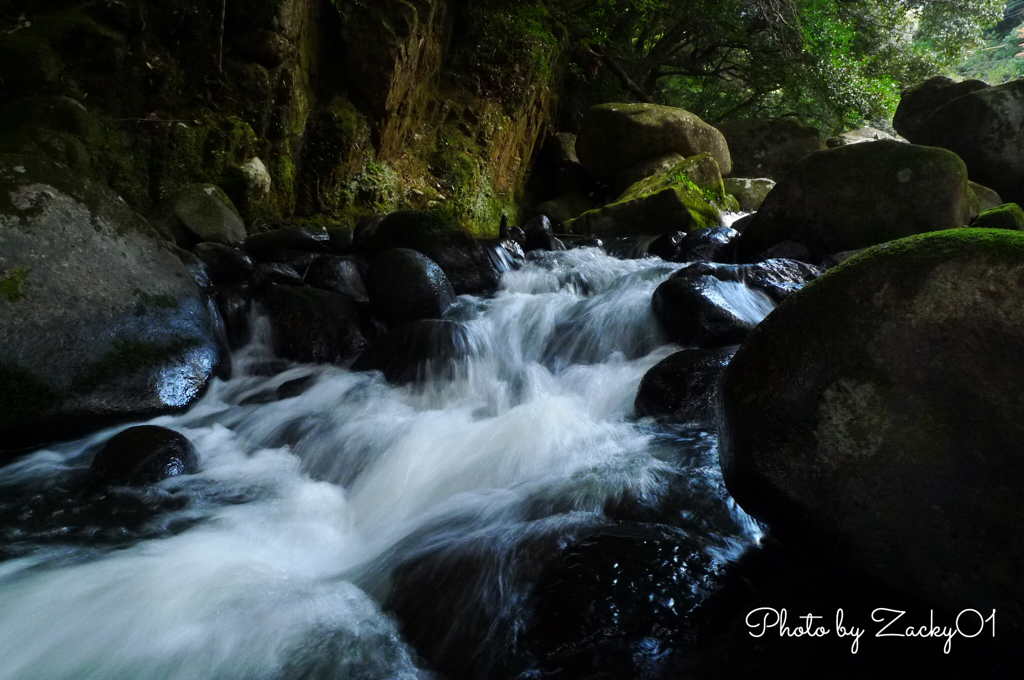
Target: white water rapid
[[272, 561]]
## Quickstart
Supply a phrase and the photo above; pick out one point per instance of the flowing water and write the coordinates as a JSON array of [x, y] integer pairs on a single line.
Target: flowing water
[[273, 561]]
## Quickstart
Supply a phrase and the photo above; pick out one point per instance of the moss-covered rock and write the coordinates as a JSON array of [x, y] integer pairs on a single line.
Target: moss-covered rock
[[690, 196], [101, 321], [616, 136], [200, 213], [769, 148], [986, 129], [878, 412], [921, 101], [862, 195], [644, 169], [1007, 216]]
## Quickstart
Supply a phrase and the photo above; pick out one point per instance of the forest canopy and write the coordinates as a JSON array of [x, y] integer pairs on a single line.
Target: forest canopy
[[836, 63]]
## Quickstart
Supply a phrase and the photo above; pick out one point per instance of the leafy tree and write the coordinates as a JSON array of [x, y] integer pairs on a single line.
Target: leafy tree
[[834, 62]]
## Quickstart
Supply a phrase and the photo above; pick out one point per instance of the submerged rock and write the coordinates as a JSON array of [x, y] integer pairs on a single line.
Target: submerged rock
[[101, 321], [141, 455], [861, 195], [878, 414], [708, 245], [429, 349], [683, 388], [614, 137], [404, 285]]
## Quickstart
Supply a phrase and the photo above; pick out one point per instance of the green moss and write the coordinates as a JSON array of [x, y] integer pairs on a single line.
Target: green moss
[[23, 397], [10, 285], [1007, 216]]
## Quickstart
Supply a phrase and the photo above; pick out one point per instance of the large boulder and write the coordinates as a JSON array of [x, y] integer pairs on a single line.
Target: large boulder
[[919, 102], [859, 196], [986, 129], [769, 148], [877, 414], [101, 321], [1009, 216], [464, 261], [614, 137], [689, 196]]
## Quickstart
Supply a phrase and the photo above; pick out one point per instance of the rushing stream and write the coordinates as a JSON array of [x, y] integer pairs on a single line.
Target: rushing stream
[[275, 560]]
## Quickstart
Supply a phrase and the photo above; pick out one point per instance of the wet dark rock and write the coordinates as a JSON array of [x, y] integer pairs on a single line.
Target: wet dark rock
[[226, 265], [198, 269], [462, 258], [701, 309], [876, 415], [298, 260], [286, 390], [429, 349], [338, 275], [742, 223], [668, 246], [102, 322], [266, 245], [708, 245], [146, 454], [627, 582], [404, 285], [631, 247], [366, 228], [683, 387], [340, 240], [779, 278], [919, 102], [539, 234], [266, 274], [234, 305], [316, 326]]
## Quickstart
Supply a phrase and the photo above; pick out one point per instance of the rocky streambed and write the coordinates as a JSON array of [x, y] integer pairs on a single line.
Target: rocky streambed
[[401, 451]]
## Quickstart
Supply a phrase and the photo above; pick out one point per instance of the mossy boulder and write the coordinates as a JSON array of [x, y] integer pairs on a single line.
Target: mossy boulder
[[986, 129], [749, 192], [461, 257], [921, 101], [1007, 216], [614, 137], [690, 196], [769, 148], [644, 169], [102, 322], [859, 196], [877, 414]]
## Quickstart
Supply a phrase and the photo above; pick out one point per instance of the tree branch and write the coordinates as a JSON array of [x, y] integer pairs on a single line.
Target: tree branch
[[623, 77]]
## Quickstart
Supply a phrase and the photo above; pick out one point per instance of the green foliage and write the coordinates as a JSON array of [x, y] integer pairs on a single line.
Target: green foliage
[[997, 60], [833, 63], [10, 285]]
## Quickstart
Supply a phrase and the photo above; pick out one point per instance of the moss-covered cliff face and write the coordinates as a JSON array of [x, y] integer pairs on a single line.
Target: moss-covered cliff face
[[352, 106]]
